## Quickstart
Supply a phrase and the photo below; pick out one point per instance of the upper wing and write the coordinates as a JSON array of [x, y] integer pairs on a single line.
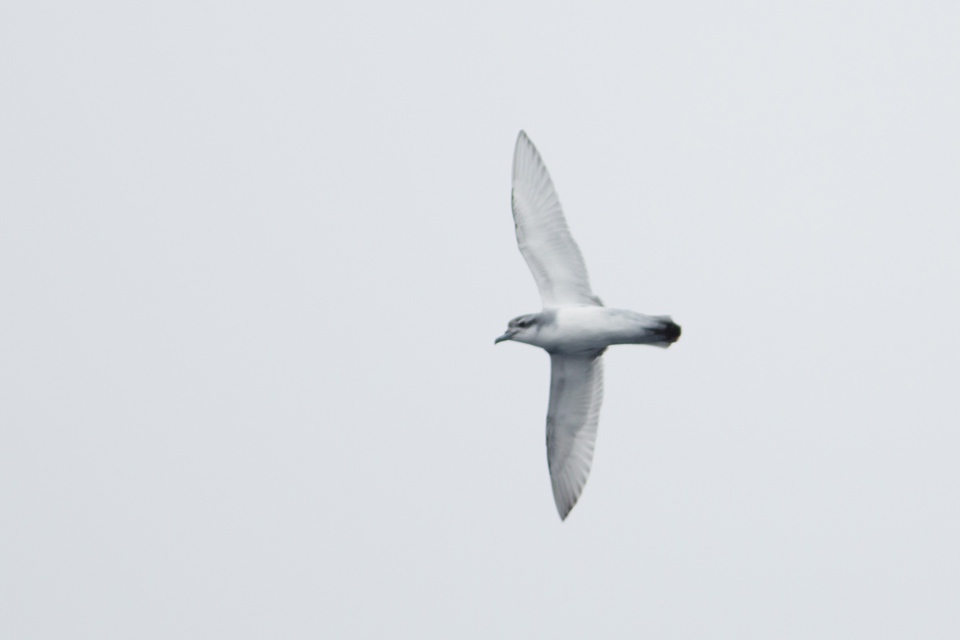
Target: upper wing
[[576, 391], [542, 233]]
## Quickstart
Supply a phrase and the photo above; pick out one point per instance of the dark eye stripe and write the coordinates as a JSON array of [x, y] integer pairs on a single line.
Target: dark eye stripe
[[522, 323]]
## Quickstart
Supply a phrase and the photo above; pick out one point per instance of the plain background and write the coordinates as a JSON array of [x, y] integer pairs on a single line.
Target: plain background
[[253, 257]]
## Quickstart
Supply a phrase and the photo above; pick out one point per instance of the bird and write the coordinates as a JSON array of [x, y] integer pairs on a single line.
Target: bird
[[574, 327]]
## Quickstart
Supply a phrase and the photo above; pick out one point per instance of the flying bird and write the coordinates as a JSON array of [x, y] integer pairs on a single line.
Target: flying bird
[[574, 326]]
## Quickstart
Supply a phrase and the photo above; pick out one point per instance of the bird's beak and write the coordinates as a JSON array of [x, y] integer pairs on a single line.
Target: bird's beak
[[506, 336]]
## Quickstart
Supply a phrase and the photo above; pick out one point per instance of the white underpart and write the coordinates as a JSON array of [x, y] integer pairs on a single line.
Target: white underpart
[[579, 330]]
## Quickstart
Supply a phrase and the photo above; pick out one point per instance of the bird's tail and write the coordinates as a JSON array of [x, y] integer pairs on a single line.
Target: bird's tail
[[665, 332]]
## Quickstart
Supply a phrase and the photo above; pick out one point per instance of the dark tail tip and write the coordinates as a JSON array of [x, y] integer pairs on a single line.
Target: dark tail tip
[[669, 331]]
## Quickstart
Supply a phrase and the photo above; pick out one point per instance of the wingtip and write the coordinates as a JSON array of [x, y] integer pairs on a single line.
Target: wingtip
[[524, 140], [564, 505], [526, 158], [563, 510]]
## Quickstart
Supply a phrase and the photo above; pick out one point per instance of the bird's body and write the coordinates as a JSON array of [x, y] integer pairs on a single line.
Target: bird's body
[[583, 329], [574, 326]]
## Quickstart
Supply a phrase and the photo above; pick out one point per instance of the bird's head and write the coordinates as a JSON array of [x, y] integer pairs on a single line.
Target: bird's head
[[521, 329]]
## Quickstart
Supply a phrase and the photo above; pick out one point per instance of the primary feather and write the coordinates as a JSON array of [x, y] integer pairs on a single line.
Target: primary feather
[[542, 233], [576, 392]]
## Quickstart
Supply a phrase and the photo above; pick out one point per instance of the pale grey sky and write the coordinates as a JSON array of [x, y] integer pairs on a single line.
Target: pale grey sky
[[253, 258]]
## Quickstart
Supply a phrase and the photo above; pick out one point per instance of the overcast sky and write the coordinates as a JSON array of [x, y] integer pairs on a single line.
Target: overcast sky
[[253, 257]]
